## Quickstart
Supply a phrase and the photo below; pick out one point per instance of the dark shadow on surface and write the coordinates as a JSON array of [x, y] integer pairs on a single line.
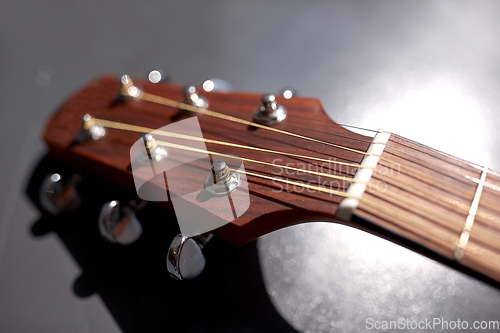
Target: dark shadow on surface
[[132, 281]]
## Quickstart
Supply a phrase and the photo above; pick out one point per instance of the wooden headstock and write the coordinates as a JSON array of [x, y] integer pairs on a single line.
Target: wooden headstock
[[273, 205]]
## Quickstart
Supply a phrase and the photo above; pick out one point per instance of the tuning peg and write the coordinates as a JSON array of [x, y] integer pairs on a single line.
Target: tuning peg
[[158, 75], [288, 92], [90, 130], [57, 196], [217, 85], [270, 112], [185, 259], [192, 98], [118, 223]]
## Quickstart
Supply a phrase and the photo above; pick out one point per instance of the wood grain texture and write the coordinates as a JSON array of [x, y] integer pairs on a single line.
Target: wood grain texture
[[440, 190], [272, 205], [417, 193]]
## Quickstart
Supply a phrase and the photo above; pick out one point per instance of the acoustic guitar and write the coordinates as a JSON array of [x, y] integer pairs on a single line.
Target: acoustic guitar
[[277, 160]]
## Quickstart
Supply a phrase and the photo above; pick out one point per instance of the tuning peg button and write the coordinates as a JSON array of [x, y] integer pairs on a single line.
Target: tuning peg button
[[185, 259], [288, 92], [118, 223], [217, 85], [158, 75], [58, 196]]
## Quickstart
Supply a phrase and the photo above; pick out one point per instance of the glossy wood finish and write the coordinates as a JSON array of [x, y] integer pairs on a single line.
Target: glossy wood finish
[[271, 206], [437, 192], [418, 194]]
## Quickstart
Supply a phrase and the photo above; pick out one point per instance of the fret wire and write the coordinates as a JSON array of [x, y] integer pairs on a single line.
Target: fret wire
[[417, 158], [398, 150], [117, 125], [339, 193], [434, 232], [172, 103], [396, 196], [464, 237], [433, 179], [482, 214]]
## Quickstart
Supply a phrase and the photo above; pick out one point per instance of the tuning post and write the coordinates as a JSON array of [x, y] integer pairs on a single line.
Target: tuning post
[[191, 97], [118, 223], [151, 151], [270, 112], [185, 259], [90, 130], [58, 196], [222, 180], [127, 88]]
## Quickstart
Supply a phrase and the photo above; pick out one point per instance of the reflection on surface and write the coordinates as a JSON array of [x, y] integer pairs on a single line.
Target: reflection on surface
[[340, 276], [439, 111], [132, 280]]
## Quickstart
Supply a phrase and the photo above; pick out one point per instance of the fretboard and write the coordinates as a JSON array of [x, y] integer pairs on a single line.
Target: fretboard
[[440, 202]]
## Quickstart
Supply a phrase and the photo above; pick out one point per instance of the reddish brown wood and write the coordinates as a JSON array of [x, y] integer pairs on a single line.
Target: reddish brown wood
[[418, 174], [446, 194], [269, 210]]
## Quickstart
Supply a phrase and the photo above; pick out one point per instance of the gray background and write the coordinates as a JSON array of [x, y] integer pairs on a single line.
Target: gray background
[[429, 70]]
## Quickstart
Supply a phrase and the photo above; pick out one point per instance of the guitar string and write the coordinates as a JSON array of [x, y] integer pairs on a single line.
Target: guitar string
[[453, 221], [402, 137], [140, 129], [144, 130], [197, 150], [179, 105], [167, 102], [343, 194], [431, 211], [438, 196], [451, 240], [439, 152], [431, 231], [187, 107], [396, 149]]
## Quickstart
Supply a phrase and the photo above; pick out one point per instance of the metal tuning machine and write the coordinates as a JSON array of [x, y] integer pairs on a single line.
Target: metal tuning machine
[[58, 196], [185, 260], [270, 113], [90, 130], [221, 181], [192, 98], [118, 223]]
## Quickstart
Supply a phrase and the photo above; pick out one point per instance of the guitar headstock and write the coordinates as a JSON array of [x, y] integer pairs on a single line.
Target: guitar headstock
[[127, 109]]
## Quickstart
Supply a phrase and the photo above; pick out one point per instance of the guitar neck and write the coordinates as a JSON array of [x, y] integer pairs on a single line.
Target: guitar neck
[[305, 168], [437, 201]]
